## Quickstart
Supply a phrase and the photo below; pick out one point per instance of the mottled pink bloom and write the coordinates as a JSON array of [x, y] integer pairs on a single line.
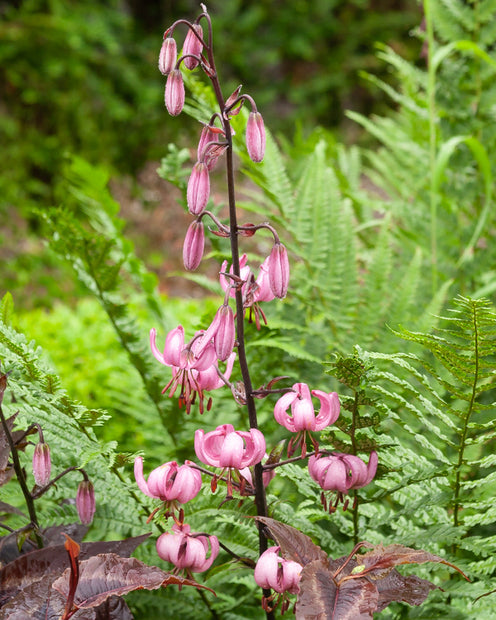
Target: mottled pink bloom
[[187, 551], [193, 45], [278, 269], [194, 245], [169, 483], [340, 473], [255, 137], [303, 416], [193, 365], [168, 55], [85, 502], [226, 447], [174, 92], [276, 573], [42, 464], [198, 188]]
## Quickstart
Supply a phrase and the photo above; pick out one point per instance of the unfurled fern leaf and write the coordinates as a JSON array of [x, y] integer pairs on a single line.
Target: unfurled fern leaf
[[440, 416]]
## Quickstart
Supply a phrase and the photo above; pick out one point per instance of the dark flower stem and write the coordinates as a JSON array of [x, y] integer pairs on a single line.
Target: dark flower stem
[[260, 498]]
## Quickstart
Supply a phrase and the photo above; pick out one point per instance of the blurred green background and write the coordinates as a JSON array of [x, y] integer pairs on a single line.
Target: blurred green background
[[81, 78]]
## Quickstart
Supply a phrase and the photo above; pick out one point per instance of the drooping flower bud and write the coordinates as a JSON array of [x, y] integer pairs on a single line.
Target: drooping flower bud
[[168, 55], [198, 188], [194, 244], [174, 92], [255, 137], [85, 502], [225, 334], [42, 465], [278, 268], [193, 45]]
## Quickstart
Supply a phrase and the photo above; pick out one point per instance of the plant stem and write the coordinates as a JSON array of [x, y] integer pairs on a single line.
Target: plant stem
[[260, 497]]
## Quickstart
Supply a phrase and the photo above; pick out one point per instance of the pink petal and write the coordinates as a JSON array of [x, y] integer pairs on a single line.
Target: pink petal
[[138, 475], [329, 410]]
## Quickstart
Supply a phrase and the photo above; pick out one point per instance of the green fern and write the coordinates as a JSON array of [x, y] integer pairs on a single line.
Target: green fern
[[69, 428]]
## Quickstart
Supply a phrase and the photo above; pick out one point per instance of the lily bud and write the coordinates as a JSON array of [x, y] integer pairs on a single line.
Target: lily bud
[[194, 244], [278, 268], [174, 92], [255, 137], [225, 334], [168, 55], [198, 188], [85, 502], [193, 45], [42, 465]]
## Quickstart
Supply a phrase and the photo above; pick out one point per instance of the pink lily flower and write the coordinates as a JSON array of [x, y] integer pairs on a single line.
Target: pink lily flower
[[229, 449], [282, 576], [303, 418], [341, 472], [253, 291], [169, 483], [187, 551], [187, 362]]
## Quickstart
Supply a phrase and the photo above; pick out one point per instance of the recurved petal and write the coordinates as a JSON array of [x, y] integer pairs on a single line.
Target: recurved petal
[[281, 407], [329, 410], [138, 475], [255, 447]]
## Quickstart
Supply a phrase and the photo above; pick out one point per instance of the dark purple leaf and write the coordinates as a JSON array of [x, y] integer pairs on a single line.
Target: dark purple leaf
[[294, 545], [114, 608], [108, 574], [38, 601], [51, 562], [395, 587], [321, 598], [394, 555], [55, 535]]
